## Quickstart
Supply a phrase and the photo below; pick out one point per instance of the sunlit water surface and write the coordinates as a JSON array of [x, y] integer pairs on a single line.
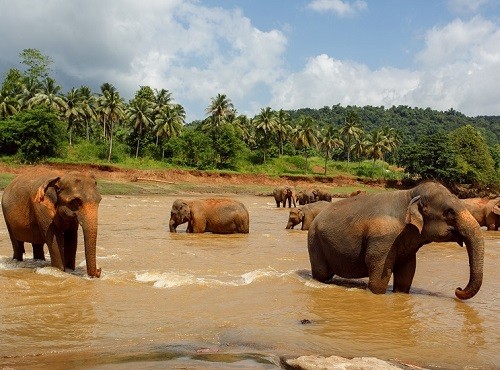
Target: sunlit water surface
[[207, 301]]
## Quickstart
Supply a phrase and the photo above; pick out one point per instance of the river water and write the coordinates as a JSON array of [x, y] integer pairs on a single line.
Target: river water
[[204, 301]]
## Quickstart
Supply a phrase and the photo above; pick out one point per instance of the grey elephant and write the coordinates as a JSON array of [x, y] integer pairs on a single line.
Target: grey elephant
[[216, 215], [285, 193], [47, 208], [486, 211], [305, 214], [378, 235], [305, 197], [320, 194]]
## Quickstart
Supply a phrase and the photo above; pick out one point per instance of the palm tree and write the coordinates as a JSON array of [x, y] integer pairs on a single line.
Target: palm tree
[[139, 112], [88, 108], [265, 122], [329, 142], [393, 139], [283, 127], [8, 105], [111, 110], [304, 135], [246, 129], [350, 131], [73, 113], [169, 123], [358, 148], [30, 87], [376, 145], [50, 96], [220, 108]]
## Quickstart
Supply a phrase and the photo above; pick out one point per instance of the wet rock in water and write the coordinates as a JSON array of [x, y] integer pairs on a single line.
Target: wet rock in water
[[305, 321], [342, 363]]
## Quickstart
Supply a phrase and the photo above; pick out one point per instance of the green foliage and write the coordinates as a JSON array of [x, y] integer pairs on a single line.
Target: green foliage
[[474, 161], [33, 134], [180, 150], [431, 157]]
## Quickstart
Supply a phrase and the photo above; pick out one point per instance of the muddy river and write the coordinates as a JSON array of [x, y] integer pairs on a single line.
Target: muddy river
[[207, 301]]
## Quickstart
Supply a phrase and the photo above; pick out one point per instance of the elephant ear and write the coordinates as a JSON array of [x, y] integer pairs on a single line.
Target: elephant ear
[[301, 214], [413, 214], [42, 190]]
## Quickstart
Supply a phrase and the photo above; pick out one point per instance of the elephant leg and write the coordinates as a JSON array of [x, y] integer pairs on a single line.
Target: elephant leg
[[18, 247], [70, 244], [278, 204], [55, 244], [378, 276], [319, 267], [403, 275], [38, 251]]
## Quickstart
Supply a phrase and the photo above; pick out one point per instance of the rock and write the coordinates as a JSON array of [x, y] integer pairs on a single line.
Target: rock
[[341, 363]]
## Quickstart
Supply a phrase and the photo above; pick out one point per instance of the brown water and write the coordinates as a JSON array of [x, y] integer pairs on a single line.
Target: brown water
[[233, 301]]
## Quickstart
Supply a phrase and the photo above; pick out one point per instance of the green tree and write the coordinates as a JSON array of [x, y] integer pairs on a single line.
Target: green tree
[[35, 134], [376, 145], [328, 142], [38, 65], [50, 96], [475, 162], [283, 128], [431, 157], [139, 113], [111, 110], [304, 136], [169, 122], [265, 124], [350, 131]]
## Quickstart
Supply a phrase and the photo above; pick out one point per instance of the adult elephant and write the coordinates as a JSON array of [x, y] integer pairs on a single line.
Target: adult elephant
[[305, 214], [320, 194], [282, 194], [377, 235], [216, 215], [486, 211], [47, 208], [305, 197]]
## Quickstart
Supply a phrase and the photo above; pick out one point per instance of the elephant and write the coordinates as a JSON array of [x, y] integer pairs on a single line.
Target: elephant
[[305, 197], [379, 234], [305, 214], [320, 194], [47, 208], [357, 192], [486, 211], [283, 194], [216, 215]]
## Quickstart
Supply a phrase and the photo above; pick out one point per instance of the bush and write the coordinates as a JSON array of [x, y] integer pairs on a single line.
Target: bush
[[34, 134]]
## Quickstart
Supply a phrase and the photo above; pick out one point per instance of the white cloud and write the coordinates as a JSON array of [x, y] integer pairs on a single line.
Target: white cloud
[[458, 68], [466, 6], [342, 8]]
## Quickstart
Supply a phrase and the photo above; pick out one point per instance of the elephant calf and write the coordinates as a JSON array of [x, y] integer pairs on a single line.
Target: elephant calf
[[305, 214], [216, 215], [485, 211]]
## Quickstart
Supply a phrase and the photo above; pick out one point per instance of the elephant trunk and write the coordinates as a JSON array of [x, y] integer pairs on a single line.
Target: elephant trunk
[[474, 242], [88, 220], [289, 225], [172, 225]]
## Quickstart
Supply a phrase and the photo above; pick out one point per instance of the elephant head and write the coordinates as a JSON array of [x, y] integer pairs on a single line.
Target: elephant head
[[179, 214], [73, 199], [439, 216], [296, 217]]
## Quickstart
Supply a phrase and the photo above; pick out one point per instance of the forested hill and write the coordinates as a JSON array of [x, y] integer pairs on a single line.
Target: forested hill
[[410, 123]]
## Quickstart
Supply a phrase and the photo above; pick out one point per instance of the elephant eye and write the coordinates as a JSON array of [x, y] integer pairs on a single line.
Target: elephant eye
[[449, 213], [75, 203]]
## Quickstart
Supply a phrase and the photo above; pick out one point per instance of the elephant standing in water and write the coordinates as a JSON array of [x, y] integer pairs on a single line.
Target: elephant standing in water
[[283, 194], [47, 208], [305, 214], [377, 235], [485, 211], [216, 215]]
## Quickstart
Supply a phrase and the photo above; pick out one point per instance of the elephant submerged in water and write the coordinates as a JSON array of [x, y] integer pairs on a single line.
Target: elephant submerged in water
[[216, 215], [378, 235], [47, 208], [305, 214]]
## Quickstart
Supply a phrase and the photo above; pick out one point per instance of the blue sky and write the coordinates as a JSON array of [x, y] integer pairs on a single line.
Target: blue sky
[[285, 54]]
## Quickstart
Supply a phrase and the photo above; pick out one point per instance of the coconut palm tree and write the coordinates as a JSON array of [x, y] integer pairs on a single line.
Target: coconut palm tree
[[328, 142], [350, 131], [139, 113], [88, 107], [169, 123], [111, 111], [265, 123], [49, 95], [376, 145], [283, 128], [220, 108], [73, 113], [9, 105], [304, 135]]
